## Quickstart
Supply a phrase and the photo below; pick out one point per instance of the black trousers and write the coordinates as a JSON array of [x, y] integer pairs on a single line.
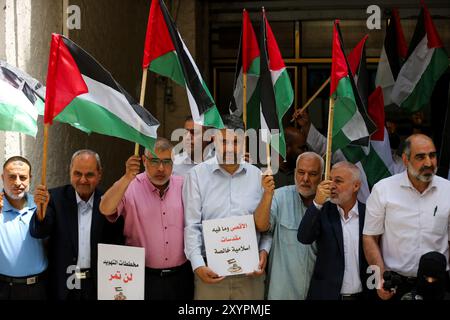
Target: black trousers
[[22, 291], [87, 291], [176, 285]]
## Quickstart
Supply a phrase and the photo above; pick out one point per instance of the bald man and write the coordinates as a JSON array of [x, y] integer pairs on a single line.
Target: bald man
[[407, 216]]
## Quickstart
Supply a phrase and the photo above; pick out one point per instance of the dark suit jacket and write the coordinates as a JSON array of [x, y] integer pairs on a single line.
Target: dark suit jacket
[[324, 227], [61, 225]]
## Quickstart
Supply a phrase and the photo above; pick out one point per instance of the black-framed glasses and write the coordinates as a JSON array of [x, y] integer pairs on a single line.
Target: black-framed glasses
[[156, 162]]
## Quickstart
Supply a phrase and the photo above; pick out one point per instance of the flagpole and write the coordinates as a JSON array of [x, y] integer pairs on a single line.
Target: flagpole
[[44, 166], [308, 103], [244, 100], [329, 139], [141, 102]]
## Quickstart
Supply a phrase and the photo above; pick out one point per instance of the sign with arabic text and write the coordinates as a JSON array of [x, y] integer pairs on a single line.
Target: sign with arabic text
[[231, 246], [121, 272]]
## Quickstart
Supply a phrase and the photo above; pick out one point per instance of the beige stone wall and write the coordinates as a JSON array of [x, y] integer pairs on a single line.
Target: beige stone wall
[[113, 31], [25, 41]]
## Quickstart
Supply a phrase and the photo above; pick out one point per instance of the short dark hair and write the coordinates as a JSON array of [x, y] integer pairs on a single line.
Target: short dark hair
[[231, 121], [17, 158]]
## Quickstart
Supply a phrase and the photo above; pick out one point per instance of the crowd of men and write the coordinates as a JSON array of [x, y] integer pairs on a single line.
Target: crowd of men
[[318, 239]]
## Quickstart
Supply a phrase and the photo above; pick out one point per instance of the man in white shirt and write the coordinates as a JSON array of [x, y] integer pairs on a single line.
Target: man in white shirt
[[335, 221], [408, 216], [222, 187]]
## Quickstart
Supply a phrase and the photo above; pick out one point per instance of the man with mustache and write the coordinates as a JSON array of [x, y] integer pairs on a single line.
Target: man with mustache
[[335, 221], [280, 212], [22, 258], [74, 226], [152, 206], [407, 216], [222, 187]]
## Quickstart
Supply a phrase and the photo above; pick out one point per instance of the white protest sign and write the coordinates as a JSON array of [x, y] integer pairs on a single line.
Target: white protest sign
[[121, 272], [231, 246]]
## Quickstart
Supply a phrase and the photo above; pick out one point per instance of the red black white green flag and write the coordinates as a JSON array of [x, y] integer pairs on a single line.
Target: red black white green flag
[[166, 54], [82, 93]]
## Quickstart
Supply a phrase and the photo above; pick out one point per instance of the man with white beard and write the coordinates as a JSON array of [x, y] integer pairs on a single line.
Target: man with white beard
[[335, 221], [408, 215], [280, 212], [22, 258]]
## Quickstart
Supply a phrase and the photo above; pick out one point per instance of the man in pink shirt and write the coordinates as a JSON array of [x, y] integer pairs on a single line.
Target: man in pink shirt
[[152, 206]]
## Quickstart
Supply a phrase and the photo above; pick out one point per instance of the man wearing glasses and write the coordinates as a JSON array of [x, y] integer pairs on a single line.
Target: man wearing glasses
[[152, 206]]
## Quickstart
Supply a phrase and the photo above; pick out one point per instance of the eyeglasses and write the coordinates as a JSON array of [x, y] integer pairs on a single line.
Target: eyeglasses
[[156, 162]]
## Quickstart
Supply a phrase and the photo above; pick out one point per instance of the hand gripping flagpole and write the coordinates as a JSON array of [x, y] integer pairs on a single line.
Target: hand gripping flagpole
[[141, 102], [44, 168], [308, 103]]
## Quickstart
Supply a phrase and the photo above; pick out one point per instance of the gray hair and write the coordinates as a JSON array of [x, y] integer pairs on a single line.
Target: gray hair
[[88, 152], [161, 144], [356, 174], [310, 154]]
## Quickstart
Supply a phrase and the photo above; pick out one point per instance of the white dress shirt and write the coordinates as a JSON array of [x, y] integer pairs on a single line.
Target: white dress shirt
[[351, 283], [209, 192], [350, 232], [84, 231], [411, 223], [182, 162]]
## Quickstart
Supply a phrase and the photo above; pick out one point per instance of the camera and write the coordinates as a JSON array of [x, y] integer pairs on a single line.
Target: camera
[[391, 280]]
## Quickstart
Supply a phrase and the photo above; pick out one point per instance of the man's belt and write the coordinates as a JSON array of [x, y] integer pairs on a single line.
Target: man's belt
[[29, 280], [352, 296], [167, 271], [83, 274]]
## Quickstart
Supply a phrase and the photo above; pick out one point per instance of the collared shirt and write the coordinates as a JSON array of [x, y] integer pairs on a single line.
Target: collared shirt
[[182, 162], [84, 231], [351, 282], [153, 222], [411, 223], [209, 192], [21, 255], [291, 263]]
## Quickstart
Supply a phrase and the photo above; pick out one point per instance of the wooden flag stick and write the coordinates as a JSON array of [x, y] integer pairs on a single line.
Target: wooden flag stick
[[269, 165], [329, 139], [244, 108], [44, 165], [244, 99], [141, 102], [314, 96]]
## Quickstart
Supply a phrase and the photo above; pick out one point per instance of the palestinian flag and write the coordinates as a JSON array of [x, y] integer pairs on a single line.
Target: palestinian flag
[[351, 123], [20, 99], [166, 54], [427, 61], [275, 89], [82, 93], [247, 63], [392, 56], [375, 161]]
